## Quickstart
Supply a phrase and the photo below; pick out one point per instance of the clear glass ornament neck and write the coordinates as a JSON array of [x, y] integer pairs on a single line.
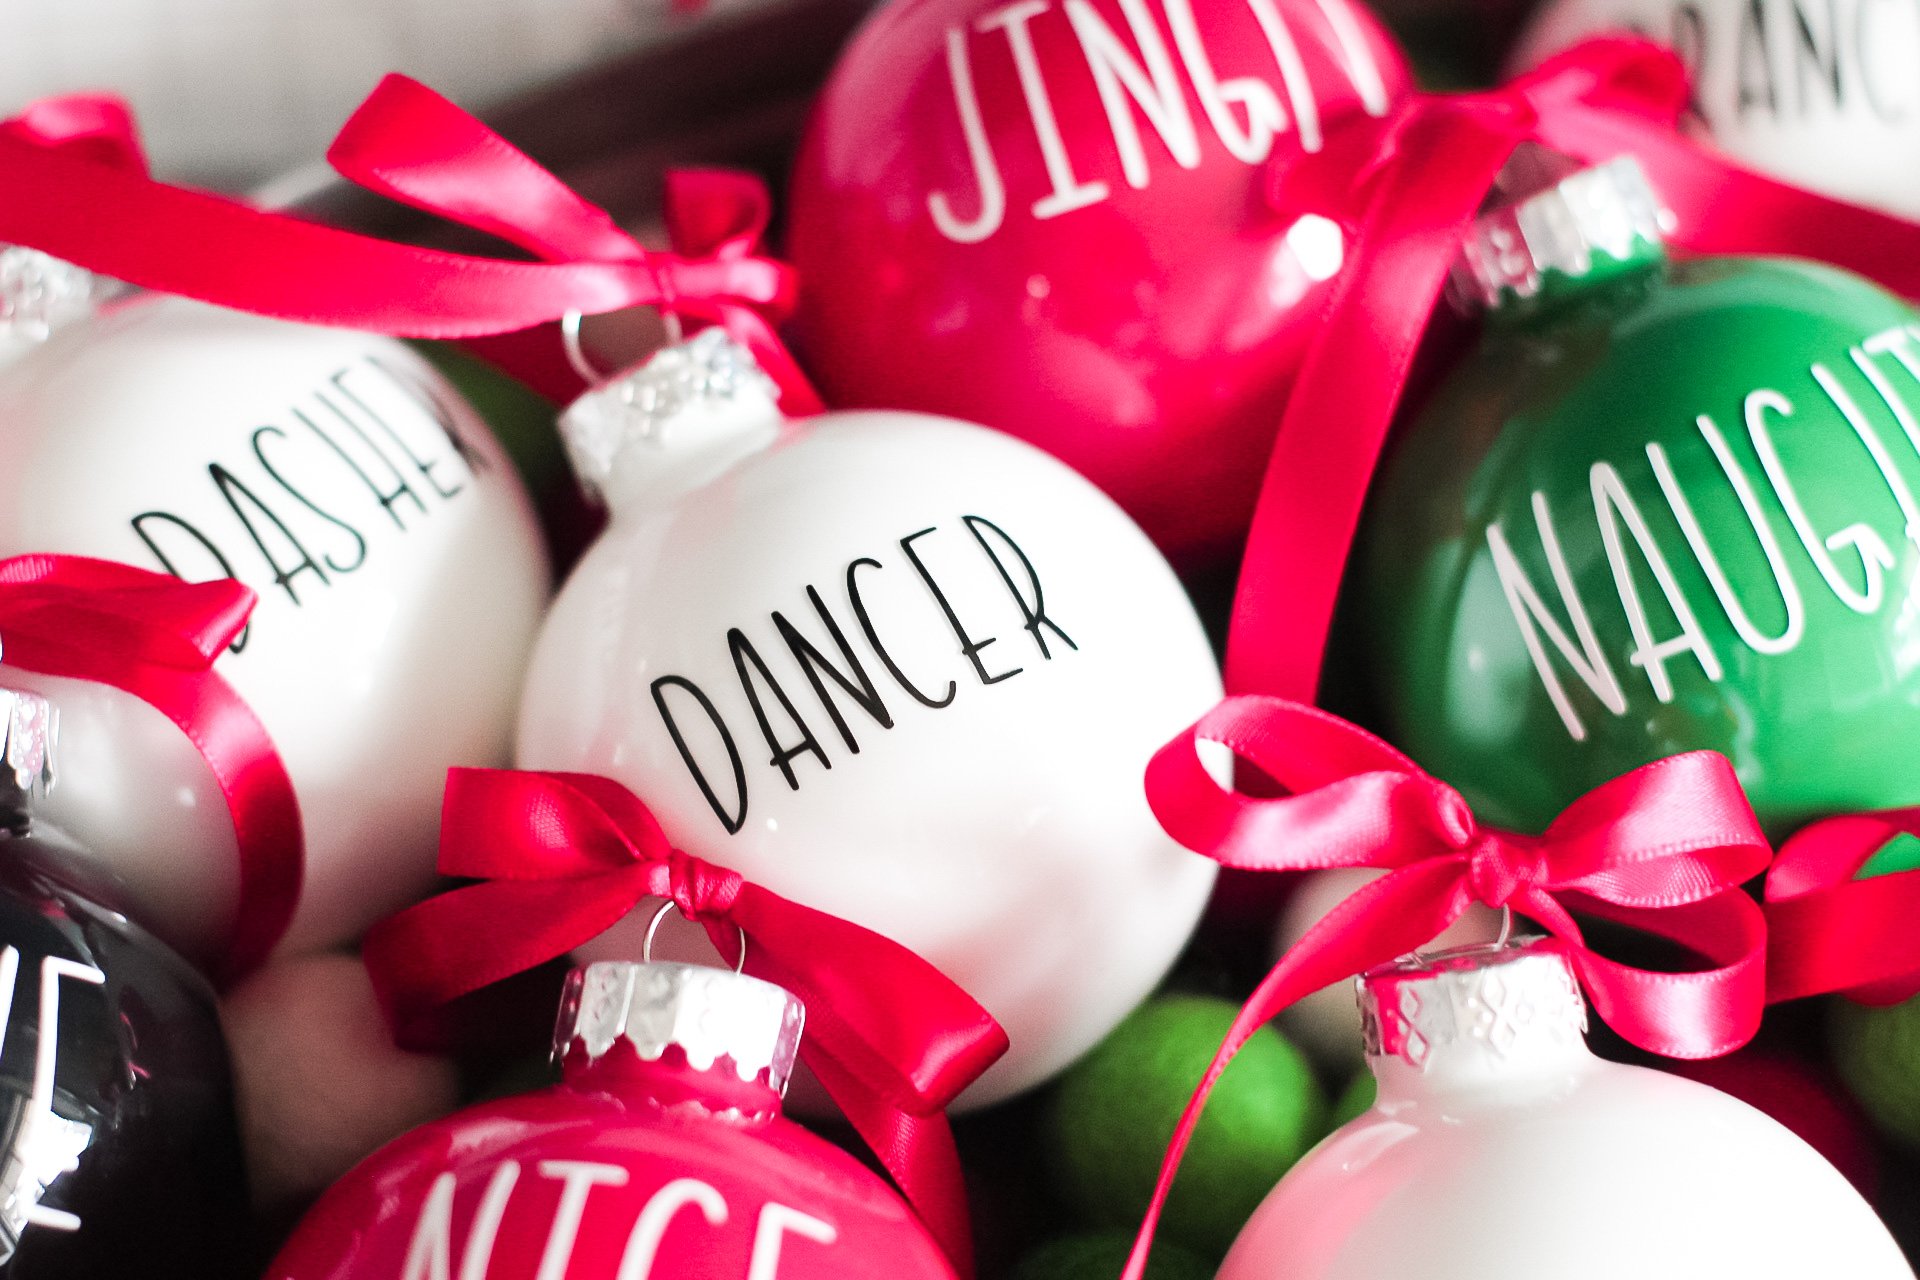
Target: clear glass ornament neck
[[1482, 1017], [29, 726], [39, 295]]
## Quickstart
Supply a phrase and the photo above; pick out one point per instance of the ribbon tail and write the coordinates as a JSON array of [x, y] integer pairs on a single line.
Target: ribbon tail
[[1379, 922], [918, 1152], [1353, 375], [1857, 937]]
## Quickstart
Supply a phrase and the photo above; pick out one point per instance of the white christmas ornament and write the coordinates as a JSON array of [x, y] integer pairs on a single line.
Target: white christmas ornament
[[900, 668], [1502, 1149], [1327, 1023], [399, 569], [1825, 96]]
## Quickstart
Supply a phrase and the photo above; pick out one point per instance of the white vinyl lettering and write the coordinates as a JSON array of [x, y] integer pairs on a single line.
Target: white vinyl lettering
[[1293, 72], [637, 1262], [1118, 76], [1588, 660], [430, 1254], [1876, 448], [1265, 115], [578, 1179], [1875, 556], [1069, 193], [986, 170], [41, 1172], [1743, 625], [1361, 68], [776, 1222], [1614, 506]]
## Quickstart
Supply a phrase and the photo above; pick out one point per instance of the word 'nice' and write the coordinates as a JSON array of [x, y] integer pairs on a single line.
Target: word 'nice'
[[1245, 112], [1853, 562]]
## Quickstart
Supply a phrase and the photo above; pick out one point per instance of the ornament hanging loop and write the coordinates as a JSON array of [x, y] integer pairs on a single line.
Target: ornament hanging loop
[[1421, 956], [653, 927]]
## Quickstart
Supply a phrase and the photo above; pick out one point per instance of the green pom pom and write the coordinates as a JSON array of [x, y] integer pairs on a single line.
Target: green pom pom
[[1877, 1054], [1100, 1255], [1354, 1101], [1116, 1109]]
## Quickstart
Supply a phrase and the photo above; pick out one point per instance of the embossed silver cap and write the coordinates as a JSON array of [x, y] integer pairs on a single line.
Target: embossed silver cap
[[711, 1015], [30, 725], [1596, 220], [1473, 1007], [40, 294], [680, 396]]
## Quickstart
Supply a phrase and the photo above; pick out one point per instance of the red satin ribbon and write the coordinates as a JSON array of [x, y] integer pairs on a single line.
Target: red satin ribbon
[[1662, 849], [563, 857], [1827, 931], [1406, 189], [158, 638], [97, 126], [409, 143]]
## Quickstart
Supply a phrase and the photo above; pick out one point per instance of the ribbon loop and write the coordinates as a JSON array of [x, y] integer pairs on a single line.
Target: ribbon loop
[[157, 638], [1832, 925], [565, 856]]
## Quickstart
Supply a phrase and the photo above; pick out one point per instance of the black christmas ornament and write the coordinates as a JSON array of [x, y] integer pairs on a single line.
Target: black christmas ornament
[[119, 1153]]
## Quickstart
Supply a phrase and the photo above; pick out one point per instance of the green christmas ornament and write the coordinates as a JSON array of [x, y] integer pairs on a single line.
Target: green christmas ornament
[[1101, 1255], [1115, 1110], [1662, 506], [1876, 1052]]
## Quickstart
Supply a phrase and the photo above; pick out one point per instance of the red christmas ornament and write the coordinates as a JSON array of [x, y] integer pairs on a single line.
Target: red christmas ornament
[[661, 1155], [1052, 218]]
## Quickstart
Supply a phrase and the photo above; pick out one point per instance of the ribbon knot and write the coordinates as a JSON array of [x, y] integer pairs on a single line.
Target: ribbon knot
[[562, 857], [705, 893], [1502, 869], [157, 638]]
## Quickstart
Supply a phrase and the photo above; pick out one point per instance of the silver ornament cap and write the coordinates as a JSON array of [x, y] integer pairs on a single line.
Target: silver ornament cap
[[41, 294], [1473, 1010], [693, 406], [711, 1015], [1596, 222], [29, 728]]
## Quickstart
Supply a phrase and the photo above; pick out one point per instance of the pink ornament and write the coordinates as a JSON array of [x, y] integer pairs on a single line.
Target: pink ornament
[[661, 1154], [1053, 219]]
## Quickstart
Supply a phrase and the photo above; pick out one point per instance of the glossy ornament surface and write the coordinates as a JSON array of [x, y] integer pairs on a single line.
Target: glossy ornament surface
[[1501, 1148], [397, 560], [898, 668], [1053, 219], [1824, 96], [120, 1151], [1658, 510], [660, 1154]]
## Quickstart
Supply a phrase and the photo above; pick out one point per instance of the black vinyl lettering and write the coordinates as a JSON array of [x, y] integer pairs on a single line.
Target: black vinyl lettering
[[233, 490], [359, 542], [859, 685], [744, 656], [1034, 610], [385, 497], [737, 818], [1808, 54], [1750, 56], [879, 649], [423, 391], [424, 467], [167, 562], [968, 645]]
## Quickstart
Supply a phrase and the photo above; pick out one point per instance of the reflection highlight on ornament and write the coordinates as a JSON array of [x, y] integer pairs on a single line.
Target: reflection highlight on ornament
[[1311, 252]]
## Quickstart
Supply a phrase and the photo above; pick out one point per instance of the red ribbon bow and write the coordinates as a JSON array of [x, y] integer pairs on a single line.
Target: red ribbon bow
[[564, 856], [409, 143], [1663, 849], [1424, 173], [157, 638], [1827, 931]]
